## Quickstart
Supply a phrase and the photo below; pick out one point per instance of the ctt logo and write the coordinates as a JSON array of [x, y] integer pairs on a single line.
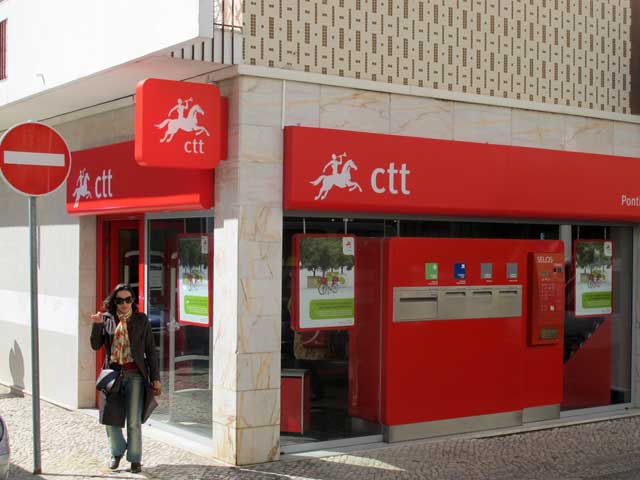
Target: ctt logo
[[186, 123], [101, 186], [340, 176]]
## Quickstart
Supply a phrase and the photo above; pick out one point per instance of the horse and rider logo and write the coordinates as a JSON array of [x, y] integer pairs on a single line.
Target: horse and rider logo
[[82, 189], [339, 177], [188, 123]]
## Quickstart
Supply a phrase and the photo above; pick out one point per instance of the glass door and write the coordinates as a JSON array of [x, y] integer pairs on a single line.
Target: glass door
[[119, 262], [179, 296]]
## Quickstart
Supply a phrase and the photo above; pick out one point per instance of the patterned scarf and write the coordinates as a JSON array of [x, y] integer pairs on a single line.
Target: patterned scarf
[[121, 348]]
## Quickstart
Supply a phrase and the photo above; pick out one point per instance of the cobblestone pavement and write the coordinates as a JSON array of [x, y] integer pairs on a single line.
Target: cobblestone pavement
[[74, 447]]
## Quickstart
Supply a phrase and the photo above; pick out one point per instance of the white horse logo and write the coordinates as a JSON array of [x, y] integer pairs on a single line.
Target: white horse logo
[[338, 178], [188, 123], [81, 191]]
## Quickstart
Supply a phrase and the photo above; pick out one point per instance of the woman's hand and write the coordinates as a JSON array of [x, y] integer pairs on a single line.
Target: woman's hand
[[97, 317], [157, 388]]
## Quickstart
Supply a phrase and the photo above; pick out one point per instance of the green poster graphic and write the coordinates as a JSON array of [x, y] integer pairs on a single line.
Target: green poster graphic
[[326, 288], [193, 279], [593, 261]]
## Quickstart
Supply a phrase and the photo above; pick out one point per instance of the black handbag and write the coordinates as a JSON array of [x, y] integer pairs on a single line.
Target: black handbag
[[112, 409], [150, 402], [109, 379]]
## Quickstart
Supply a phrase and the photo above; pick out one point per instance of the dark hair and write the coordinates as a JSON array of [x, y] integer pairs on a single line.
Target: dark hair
[[109, 303]]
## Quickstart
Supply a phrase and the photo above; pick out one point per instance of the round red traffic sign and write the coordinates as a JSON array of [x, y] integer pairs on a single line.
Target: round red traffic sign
[[34, 159]]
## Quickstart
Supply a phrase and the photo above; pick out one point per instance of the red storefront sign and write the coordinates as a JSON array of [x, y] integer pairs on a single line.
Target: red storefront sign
[[335, 170], [108, 180], [179, 124]]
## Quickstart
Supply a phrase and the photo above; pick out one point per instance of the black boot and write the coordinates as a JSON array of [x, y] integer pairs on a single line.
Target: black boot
[[136, 467], [115, 462]]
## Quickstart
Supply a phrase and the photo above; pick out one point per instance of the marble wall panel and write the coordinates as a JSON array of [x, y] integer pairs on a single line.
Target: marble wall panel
[[225, 367], [87, 393], [225, 406], [261, 223], [259, 297], [258, 371], [420, 117], [261, 145], [357, 110], [626, 139], [259, 333], [224, 441], [302, 104], [226, 292], [261, 260], [261, 184], [226, 189], [537, 129], [261, 444], [260, 101], [233, 144], [588, 135], [258, 408], [230, 89], [481, 123]]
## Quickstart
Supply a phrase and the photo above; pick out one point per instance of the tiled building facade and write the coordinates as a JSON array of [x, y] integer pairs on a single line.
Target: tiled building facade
[[562, 52]]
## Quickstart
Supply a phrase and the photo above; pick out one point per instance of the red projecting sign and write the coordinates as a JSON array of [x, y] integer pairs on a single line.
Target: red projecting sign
[[179, 124]]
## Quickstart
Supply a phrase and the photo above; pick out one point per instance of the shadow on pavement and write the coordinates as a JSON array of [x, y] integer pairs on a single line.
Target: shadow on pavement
[[18, 473]]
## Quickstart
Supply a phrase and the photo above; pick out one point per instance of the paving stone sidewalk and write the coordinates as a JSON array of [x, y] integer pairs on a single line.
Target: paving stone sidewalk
[[74, 447]]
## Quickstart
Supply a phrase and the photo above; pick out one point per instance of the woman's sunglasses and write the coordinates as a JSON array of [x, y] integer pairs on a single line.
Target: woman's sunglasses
[[120, 300]]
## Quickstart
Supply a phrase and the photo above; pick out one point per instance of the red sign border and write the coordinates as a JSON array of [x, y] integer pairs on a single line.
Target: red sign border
[[63, 182]]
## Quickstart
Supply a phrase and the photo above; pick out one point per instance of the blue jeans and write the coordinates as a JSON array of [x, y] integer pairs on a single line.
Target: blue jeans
[[133, 390]]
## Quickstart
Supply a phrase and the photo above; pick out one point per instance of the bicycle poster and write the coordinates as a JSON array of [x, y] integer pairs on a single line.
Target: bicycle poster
[[593, 262], [325, 285], [193, 279]]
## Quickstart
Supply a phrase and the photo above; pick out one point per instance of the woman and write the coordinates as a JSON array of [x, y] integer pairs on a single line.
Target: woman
[[126, 334]]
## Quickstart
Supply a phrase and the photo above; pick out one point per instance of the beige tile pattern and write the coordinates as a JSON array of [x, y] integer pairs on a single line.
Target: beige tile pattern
[[537, 129], [626, 139], [260, 444], [350, 109], [258, 371], [588, 135], [420, 117], [302, 104], [481, 123], [258, 408], [563, 52]]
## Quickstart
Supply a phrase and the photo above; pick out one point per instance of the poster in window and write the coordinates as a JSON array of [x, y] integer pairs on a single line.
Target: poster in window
[[594, 274], [194, 285], [324, 282]]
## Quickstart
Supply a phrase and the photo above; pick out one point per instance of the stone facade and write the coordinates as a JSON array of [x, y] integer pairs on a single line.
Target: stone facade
[[565, 52]]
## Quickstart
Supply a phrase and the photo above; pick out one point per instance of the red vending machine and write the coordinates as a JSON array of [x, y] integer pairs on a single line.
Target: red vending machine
[[471, 335]]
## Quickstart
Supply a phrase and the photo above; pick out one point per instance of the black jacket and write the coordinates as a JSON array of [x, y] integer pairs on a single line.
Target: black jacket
[[143, 346]]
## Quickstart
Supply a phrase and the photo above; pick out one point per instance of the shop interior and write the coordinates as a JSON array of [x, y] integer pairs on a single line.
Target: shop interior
[[597, 347]]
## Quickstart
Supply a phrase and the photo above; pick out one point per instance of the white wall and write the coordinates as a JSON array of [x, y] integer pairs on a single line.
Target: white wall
[[69, 39], [58, 305]]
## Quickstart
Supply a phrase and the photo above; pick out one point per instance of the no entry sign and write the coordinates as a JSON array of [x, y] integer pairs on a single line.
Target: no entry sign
[[34, 159]]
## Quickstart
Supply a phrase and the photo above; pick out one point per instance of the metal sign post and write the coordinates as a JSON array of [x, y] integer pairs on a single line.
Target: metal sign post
[[35, 348], [34, 160]]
